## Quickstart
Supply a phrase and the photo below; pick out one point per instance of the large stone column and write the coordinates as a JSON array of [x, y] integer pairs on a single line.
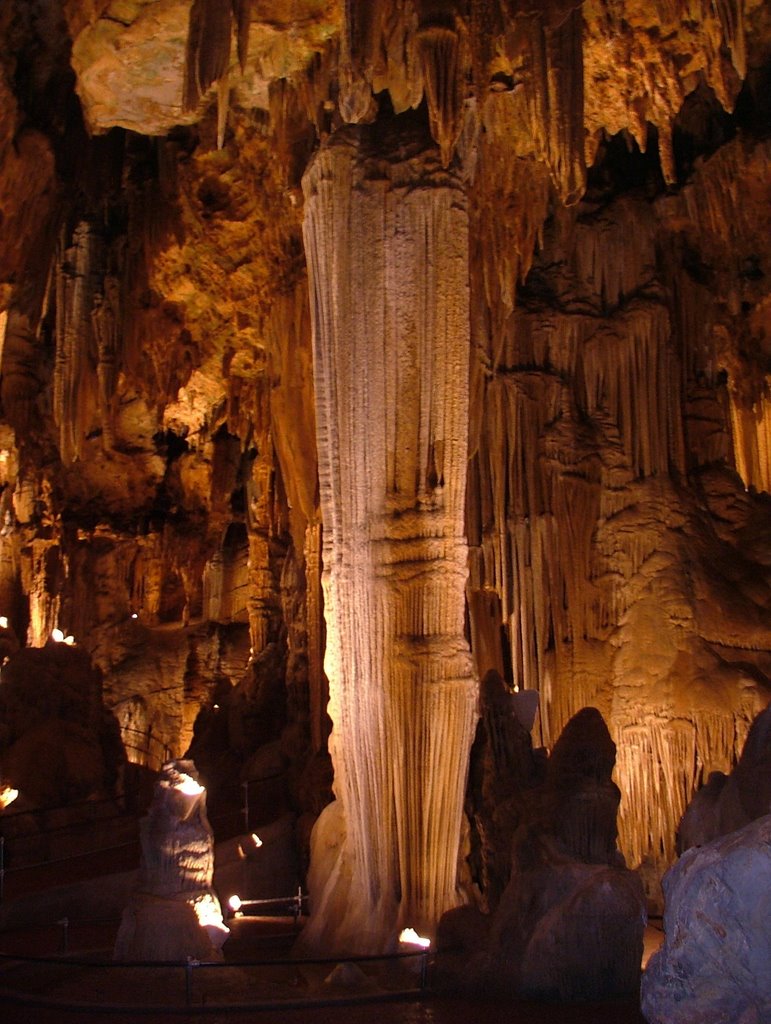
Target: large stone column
[[386, 242]]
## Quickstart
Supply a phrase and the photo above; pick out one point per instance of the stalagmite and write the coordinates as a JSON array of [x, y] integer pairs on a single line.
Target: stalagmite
[[157, 393], [386, 237]]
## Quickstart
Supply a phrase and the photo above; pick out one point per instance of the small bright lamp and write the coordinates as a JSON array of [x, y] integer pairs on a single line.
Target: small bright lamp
[[411, 938]]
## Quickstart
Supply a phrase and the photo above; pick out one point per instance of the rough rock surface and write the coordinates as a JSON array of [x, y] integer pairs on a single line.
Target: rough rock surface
[[391, 369], [158, 431], [503, 772], [175, 913], [728, 802], [713, 966], [58, 742], [569, 924]]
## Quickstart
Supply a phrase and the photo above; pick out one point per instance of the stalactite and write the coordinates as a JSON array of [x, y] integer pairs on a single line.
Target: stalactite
[[511, 206], [751, 431], [20, 382], [401, 68], [146, 578], [223, 101], [362, 29], [78, 278], [731, 14], [443, 57], [656, 772], [661, 50], [613, 254], [555, 93], [242, 12], [227, 577], [105, 318], [208, 47], [3, 327], [633, 375], [714, 200], [661, 762], [262, 603], [392, 398]]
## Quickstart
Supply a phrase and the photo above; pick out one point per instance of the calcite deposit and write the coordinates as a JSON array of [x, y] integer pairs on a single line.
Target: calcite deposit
[[174, 914], [352, 351], [386, 239]]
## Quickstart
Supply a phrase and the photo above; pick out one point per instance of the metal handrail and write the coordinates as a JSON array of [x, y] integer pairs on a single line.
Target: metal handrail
[[44, 835], [151, 747], [191, 964]]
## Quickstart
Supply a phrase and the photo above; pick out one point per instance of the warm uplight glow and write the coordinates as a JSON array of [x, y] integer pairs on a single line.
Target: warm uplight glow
[[60, 638], [256, 839], [209, 917], [411, 937], [7, 795], [189, 786], [3, 622], [234, 903]]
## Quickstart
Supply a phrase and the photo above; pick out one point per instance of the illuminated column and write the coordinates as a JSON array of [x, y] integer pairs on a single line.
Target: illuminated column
[[386, 243]]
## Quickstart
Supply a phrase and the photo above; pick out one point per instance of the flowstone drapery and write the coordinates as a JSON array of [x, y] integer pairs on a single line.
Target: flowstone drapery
[[386, 240]]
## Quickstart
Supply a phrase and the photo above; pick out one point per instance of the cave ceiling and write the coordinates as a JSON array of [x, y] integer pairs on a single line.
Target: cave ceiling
[[165, 393]]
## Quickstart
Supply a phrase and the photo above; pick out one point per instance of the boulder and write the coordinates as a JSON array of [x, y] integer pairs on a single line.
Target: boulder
[[585, 940], [715, 964]]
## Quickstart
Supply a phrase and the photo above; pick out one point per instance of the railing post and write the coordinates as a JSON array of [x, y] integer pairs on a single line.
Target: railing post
[[298, 904], [191, 963], [64, 924], [245, 785]]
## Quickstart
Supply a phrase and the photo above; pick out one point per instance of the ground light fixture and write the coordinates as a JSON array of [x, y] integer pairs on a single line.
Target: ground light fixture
[[409, 937]]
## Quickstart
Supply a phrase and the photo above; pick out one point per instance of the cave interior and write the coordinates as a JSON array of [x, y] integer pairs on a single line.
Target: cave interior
[[382, 385]]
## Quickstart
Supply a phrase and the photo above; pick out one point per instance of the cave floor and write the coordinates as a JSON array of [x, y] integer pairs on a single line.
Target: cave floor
[[158, 994], [154, 995]]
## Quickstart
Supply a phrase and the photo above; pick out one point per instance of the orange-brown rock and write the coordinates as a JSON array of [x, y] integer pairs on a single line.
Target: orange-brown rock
[[172, 358]]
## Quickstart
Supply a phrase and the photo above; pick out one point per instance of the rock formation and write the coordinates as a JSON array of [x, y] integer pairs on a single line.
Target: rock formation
[[569, 923], [511, 414], [713, 965], [729, 802], [175, 913], [386, 239], [58, 742]]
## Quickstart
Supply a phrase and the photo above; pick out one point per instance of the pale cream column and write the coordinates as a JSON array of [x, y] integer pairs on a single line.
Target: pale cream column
[[386, 236]]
